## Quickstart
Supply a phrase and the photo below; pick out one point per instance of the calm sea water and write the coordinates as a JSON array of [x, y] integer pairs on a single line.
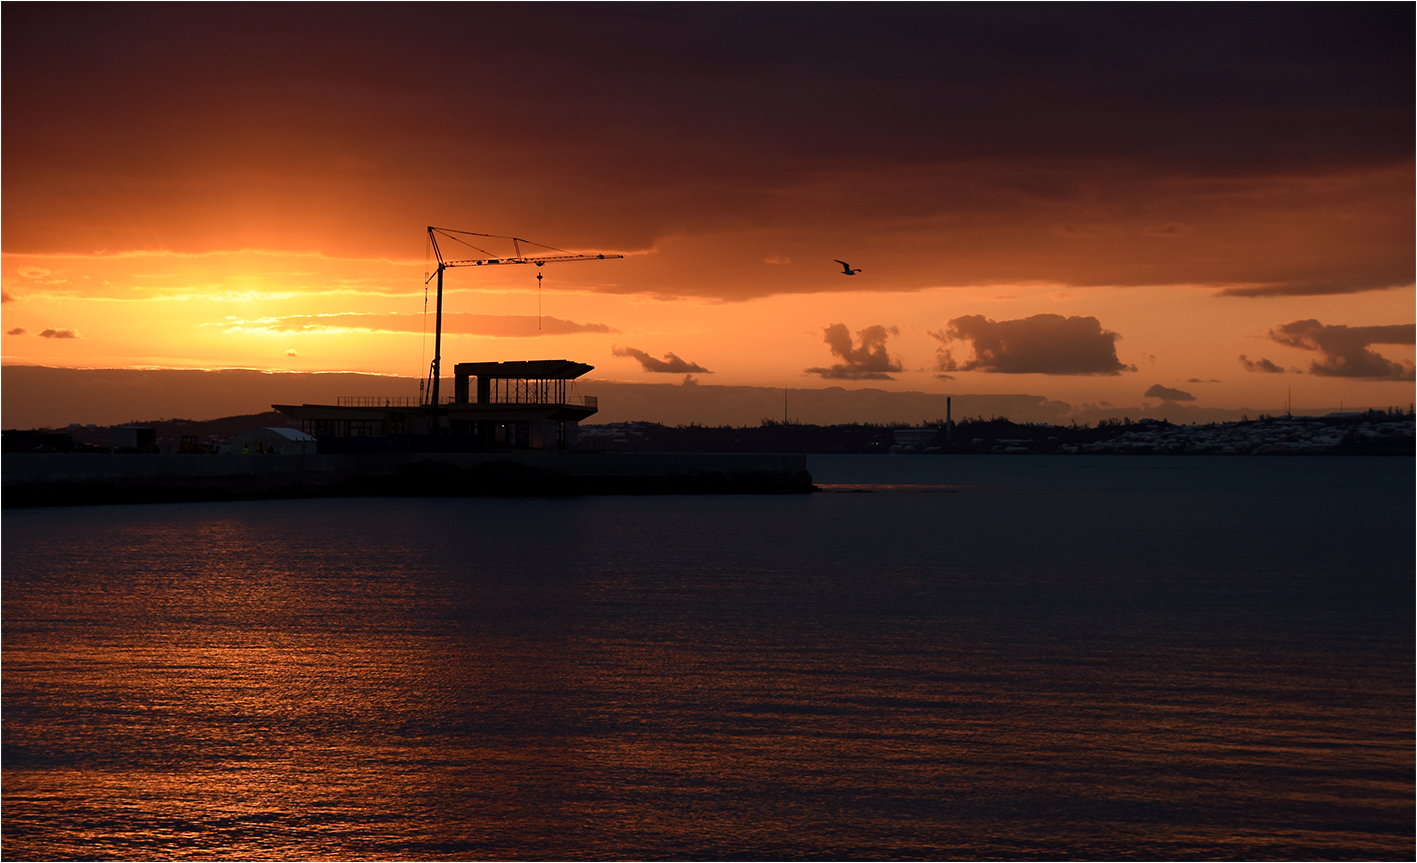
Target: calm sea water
[[936, 657]]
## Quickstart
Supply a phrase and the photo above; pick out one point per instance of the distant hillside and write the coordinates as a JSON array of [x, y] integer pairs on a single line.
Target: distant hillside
[[37, 396], [171, 431]]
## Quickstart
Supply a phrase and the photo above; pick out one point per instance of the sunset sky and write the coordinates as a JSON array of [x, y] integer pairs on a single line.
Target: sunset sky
[[1123, 204]]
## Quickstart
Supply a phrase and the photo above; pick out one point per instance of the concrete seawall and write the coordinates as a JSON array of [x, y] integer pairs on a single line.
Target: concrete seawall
[[73, 479]]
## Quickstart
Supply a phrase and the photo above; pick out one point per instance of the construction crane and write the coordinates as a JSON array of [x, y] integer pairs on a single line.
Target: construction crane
[[490, 260]]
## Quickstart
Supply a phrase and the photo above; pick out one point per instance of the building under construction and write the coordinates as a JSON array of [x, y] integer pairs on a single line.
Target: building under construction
[[524, 405]]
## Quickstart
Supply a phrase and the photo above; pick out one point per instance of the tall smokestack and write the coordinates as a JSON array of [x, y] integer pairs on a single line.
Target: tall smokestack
[[949, 422]]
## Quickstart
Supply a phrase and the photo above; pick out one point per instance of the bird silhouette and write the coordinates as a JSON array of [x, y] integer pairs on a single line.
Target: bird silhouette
[[846, 268]]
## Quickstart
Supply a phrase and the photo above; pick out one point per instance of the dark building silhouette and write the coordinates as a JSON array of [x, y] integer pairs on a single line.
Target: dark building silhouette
[[521, 405]]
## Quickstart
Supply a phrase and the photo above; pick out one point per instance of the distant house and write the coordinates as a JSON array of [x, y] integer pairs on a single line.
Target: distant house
[[522, 405], [273, 441], [912, 439], [133, 438]]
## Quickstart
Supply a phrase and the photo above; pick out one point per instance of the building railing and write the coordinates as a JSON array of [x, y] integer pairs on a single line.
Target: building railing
[[414, 401], [377, 401], [570, 400]]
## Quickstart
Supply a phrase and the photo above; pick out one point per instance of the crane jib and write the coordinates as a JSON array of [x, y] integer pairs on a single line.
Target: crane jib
[[550, 259]]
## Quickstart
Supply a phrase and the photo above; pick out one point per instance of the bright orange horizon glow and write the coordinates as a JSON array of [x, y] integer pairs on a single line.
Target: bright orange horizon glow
[[265, 310]]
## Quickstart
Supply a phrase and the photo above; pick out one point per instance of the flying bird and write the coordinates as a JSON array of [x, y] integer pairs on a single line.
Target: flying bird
[[846, 268]]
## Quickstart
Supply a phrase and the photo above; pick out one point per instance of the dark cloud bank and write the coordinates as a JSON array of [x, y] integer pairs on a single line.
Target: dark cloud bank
[[1063, 128]]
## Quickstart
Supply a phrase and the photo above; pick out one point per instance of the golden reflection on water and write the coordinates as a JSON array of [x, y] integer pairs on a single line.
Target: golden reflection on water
[[242, 687]]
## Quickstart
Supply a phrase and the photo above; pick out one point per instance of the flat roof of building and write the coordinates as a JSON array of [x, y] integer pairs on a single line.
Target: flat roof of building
[[533, 370]]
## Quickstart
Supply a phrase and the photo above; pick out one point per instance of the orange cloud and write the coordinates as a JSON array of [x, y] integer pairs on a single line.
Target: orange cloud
[[1041, 344], [671, 363], [1345, 351], [1260, 365], [869, 362], [1169, 394], [456, 322]]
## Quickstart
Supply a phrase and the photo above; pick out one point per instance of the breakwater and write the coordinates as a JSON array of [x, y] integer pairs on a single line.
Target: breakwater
[[76, 479]]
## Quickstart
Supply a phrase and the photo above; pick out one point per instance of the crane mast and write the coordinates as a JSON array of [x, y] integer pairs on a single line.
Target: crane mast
[[434, 372]]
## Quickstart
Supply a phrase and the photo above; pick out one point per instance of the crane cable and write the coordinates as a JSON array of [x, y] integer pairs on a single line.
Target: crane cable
[[423, 346], [449, 232]]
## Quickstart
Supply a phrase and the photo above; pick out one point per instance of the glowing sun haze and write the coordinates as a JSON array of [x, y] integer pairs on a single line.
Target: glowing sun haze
[[1088, 203]]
